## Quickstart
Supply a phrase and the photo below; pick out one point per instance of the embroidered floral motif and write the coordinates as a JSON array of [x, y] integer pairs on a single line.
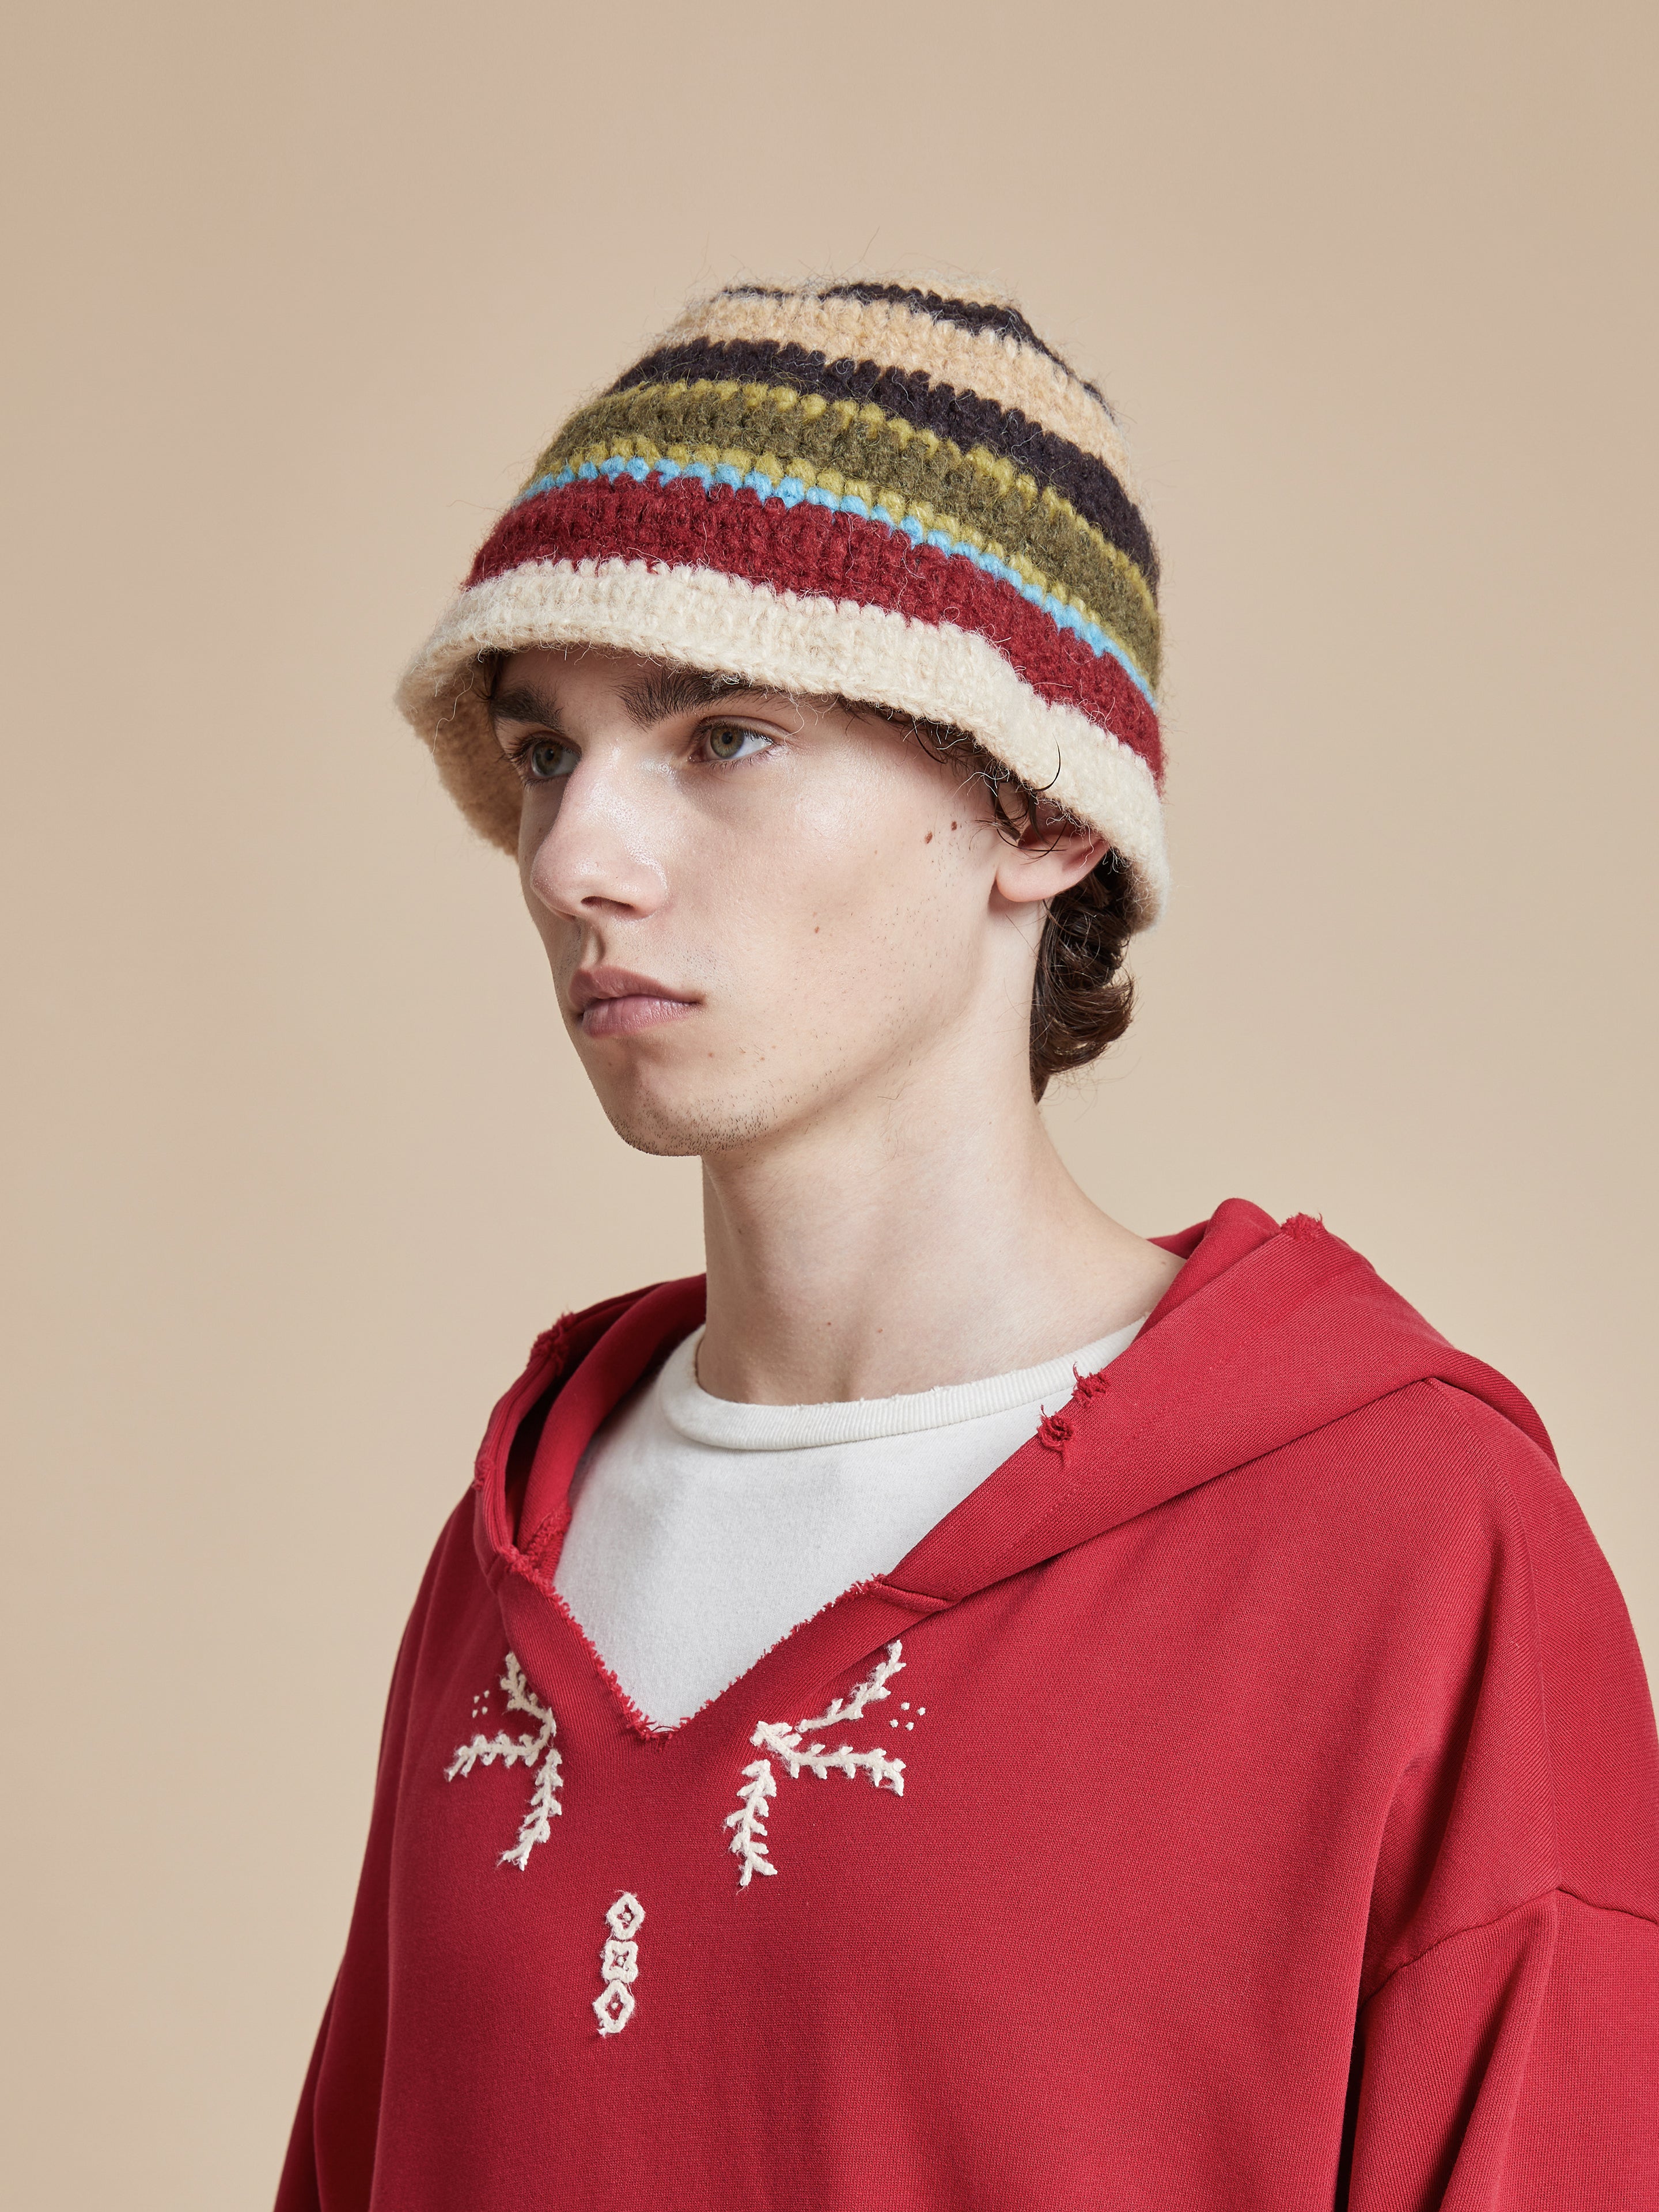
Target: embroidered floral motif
[[869, 1692], [619, 1965], [749, 1821], [797, 1755], [539, 1752]]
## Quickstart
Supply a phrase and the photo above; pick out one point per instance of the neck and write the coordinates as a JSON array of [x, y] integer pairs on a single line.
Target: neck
[[904, 1241]]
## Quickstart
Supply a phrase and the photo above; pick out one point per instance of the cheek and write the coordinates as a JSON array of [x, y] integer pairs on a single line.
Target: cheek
[[532, 831], [857, 917], [530, 844], [538, 870]]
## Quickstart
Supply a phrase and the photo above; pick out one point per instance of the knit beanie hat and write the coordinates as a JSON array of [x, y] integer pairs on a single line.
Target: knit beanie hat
[[881, 491]]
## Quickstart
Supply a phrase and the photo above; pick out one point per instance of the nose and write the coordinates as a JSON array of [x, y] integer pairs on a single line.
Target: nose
[[600, 854]]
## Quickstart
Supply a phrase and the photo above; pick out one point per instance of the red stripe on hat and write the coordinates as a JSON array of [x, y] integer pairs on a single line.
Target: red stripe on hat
[[822, 554]]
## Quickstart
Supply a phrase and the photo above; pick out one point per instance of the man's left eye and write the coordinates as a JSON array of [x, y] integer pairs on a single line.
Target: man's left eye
[[728, 741], [548, 759]]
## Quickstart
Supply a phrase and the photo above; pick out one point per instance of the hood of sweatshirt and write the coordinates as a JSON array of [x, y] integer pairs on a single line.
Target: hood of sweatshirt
[[1263, 1814], [1270, 1332]]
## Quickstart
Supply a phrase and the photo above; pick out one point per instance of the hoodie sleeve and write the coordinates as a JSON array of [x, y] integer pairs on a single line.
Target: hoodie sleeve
[[330, 2166], [1507, 2050], [1515, 2066]]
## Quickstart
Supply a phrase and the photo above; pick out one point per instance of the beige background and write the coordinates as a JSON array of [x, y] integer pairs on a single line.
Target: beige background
[[298, 1158]]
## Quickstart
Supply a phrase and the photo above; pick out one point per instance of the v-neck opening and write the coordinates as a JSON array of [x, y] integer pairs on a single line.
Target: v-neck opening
[[624, 1342]]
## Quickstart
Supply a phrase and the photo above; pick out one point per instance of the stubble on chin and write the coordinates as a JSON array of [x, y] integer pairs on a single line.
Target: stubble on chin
[[692, 1131]]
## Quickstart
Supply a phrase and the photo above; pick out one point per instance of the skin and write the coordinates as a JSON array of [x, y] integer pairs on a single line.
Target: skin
[[786, 939]]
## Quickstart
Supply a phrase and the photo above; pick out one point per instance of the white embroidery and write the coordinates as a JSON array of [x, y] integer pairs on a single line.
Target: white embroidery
[[749, 1820], [620, 1962], [786, 1745], [773, 1735], [626, 1916], [619, 1965], [538, 1751], [870, 1691]]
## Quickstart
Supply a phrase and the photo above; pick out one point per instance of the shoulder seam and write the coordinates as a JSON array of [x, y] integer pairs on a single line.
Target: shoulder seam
[[1595, 1905], [1477, 1927]]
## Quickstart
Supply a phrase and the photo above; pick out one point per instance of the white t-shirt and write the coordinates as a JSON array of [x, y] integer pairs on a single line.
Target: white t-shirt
[[704, 1529]]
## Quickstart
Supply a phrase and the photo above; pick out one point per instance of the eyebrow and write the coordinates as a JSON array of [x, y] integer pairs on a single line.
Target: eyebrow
[[666, 691], [521, 704]]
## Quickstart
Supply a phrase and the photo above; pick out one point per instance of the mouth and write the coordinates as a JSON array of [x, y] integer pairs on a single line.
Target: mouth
[[613, 1002]]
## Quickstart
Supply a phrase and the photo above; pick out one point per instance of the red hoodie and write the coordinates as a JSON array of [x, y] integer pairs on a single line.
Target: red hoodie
[[1247, 1797]]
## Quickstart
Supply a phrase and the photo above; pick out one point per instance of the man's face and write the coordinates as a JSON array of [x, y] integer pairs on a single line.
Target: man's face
[[756, 908]]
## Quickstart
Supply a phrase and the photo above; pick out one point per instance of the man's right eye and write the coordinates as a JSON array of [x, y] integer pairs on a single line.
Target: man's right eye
[[548, 758]]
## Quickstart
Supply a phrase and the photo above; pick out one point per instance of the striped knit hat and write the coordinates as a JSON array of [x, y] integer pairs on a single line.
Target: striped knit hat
[[876, 490]]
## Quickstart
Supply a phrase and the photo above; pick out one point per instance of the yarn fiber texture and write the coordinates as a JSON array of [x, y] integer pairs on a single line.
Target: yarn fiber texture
[[881, 491]]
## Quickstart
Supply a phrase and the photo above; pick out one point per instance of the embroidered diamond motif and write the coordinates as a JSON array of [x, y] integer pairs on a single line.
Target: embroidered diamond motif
[[620, 1962], [626, 1916]]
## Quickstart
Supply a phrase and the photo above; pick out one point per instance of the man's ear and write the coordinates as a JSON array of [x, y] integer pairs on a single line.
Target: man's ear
[[1052, 854]]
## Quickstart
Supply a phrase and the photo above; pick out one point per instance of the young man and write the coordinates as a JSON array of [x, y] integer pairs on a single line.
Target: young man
[[969, 1706]]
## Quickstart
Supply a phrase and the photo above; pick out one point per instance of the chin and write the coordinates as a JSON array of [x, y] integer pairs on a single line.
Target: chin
[[683, 1129]]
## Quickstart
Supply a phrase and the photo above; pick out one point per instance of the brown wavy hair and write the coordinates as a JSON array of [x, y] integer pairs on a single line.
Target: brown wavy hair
[[1082, 998]]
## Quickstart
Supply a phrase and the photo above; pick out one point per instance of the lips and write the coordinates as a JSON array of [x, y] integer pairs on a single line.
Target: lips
[[615, 1002]]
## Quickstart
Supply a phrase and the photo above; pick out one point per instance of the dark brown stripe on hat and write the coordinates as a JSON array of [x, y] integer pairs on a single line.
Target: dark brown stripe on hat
[[976, 315], [961, 416]]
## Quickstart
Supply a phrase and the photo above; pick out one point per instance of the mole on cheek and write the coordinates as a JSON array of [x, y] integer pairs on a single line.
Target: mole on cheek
[[953, 825], [928, 839]]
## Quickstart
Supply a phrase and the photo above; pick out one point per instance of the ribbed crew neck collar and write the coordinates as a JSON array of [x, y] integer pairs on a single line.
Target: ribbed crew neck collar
[[733, 1425]]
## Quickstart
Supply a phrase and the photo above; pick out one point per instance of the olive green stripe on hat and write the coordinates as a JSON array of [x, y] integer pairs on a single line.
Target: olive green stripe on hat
[[831, 433], [846, 448]]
